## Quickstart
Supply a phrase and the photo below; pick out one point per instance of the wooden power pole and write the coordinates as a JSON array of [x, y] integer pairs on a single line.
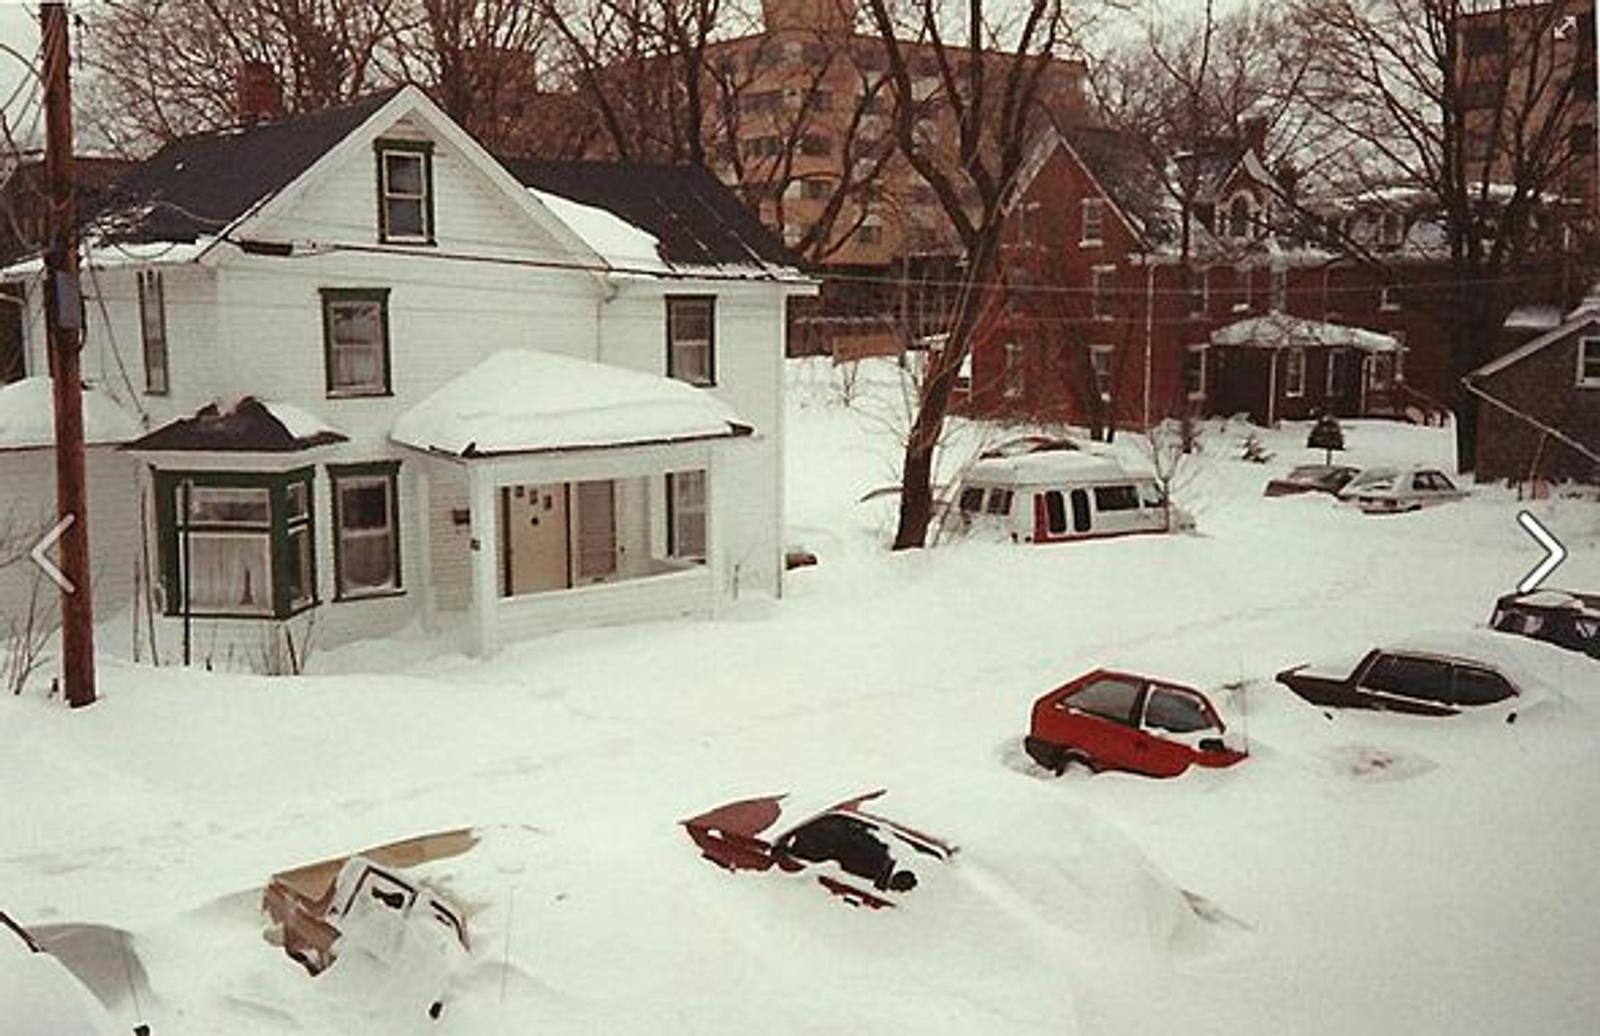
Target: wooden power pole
[[63, 312]]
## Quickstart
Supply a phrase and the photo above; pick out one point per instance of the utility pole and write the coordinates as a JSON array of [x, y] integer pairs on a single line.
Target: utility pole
[[63, 312]]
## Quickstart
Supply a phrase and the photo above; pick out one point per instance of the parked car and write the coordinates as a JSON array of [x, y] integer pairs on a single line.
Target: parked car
[[1110, 720], [367, 904], [860, 856], [1438, 676], [1559, 617], [1392, 490], [1312, 478], [1053, 492], [39, 996]]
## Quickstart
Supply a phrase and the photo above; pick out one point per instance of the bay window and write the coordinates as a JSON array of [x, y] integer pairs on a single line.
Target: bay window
[[236, 544]]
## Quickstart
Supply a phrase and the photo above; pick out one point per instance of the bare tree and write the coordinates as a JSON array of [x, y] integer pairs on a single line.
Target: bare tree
[[1471, 104], [967, 87]]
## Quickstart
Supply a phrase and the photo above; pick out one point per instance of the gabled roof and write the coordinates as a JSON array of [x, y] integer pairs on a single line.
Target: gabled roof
[[1585, 317], [199, 185], [696, 220], [1106, 157]]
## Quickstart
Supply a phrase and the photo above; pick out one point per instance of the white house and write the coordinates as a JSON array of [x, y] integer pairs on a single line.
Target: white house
[[384, 378]]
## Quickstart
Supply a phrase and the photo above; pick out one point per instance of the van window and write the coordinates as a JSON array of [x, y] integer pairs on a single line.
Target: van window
[[999, 501], [1055, 512], [972, 500], [1080, 510], [1116, 498]]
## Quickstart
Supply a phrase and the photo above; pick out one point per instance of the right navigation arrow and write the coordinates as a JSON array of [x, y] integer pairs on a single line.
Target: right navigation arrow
[[1555, 553]]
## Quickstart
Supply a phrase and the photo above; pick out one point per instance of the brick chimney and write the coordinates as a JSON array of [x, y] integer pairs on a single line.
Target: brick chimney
[[257, 93]]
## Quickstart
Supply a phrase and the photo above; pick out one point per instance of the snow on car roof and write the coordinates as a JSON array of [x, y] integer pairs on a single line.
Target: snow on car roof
[[1562, 599], [1534, 666], [41, 996], [1049, 468]]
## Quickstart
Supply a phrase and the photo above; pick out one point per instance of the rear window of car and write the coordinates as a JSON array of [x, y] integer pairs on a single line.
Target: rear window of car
[[1175, 712], [1410, 677], [1476, 686], [1116, 498], [1109, 697]]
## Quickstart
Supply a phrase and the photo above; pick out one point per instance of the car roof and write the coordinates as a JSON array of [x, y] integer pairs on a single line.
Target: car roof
[[798, 812], [1555, 600]]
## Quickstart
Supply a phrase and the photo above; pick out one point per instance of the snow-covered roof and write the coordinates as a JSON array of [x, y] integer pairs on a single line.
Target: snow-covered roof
[[613, 238], [42, 996], [1056, 467], [27, 417], [100, 254], [1282, 331], [525, 401], [1533, 317]]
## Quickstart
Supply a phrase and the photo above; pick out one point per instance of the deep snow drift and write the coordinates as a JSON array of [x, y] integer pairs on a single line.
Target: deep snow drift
[[1359, 874]]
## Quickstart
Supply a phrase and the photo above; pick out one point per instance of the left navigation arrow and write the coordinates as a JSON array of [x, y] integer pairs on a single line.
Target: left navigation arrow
[[42, 559]]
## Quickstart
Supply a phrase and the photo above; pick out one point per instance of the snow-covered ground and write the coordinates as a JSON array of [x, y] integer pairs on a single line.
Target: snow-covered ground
[[1359, 874]]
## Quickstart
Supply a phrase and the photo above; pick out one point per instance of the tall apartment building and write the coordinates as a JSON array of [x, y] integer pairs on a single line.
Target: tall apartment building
[[1524, 68]]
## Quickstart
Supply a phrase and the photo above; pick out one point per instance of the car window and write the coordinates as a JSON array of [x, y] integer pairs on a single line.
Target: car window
[[999, 501], [1374, 475], [1115, 498], [972, 499], [1109, 697], [849, 841], [1438, 480], [1307, 473], [1175, 713], [1055, 511], [1410, 677], [1475, 686], [1421, 480], [1513, 620]]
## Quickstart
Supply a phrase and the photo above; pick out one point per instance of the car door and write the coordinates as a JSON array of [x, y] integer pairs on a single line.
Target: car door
[[1175, 721], [1400, 682], [1099, 720]]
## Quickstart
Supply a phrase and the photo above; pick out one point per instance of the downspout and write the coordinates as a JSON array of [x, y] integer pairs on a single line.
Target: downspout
[[1149, 332]]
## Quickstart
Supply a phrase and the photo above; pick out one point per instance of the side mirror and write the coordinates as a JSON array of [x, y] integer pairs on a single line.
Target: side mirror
[[1212, 744], [902, 881]]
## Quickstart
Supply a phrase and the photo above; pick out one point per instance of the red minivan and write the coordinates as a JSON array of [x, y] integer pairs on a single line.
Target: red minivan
[[1120, 721]]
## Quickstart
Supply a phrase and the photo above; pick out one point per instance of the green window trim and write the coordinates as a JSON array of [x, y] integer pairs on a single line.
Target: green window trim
[[387, 469], [424, 149], [331, 296], [169, 489]]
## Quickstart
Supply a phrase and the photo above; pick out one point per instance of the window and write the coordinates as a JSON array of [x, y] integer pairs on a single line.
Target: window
[[366, 530], [1409, 677], [1380, 375], [1175, 713], [1100, 364], [405, 191], [972, 499], [1239, 214], [1198, 286], [815, 188], [686, 515], [1116, 498], [1337, 384], [1241, 282], [1480, 686], [236, 543], [355, 331], [1483, 39], [1294, 373], [1055, 512], [1109, 697], [691, 330], [1388, 299], [1589, 363], [999, 502], [1015, 375], [1280, 290], [1094, 216], [869, 234], [1194, 371], [13, 346], [1102, 281], [1391, 230], [153, 331]]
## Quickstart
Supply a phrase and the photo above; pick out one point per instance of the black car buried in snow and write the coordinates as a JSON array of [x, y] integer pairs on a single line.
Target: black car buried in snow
[[1438, 677], [1560, 617], [1312, 478]]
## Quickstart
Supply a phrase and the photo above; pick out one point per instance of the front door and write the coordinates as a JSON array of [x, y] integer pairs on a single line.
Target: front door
[[535, 538], [595, 531], [1341, 382]]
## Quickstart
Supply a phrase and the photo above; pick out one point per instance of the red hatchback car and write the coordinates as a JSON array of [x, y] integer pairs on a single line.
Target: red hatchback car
[[1119, 721]]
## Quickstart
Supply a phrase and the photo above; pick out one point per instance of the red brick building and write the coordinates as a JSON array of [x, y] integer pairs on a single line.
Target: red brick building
[[1123, 306]]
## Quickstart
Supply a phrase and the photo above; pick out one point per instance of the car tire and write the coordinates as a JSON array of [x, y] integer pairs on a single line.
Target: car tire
[[1079, 758]]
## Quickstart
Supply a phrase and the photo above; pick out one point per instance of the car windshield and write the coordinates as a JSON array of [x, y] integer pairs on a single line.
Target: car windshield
[[1308, 473]]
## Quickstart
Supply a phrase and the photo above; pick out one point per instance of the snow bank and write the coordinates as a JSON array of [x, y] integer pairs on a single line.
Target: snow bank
[[39, 997], [522, 401], [27, 417]]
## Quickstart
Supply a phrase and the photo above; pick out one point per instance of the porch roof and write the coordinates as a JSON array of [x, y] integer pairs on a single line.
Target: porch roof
[[526, 401], [1281, 331], [246, 425], [27, 416]]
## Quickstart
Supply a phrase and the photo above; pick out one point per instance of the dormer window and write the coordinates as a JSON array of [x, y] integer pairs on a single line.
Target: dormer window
[[405, 191], [1239, 213]]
